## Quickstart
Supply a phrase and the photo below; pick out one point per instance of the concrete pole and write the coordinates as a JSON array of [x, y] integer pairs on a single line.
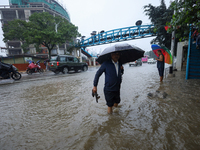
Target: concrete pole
[[89, 62], [1, 17], [172, 52], [21, 47], [80, 55], [57, 46], [94, 61], [7, 47], [65, 48], [27, 14], [17, 15], [75, 53], [172, 47], [56, 27]]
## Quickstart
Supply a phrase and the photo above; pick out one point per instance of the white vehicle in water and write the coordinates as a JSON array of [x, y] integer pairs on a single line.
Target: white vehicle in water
[[151, 61], [136, 63]]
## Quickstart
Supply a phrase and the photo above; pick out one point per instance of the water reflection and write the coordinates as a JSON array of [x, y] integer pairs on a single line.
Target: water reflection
[[60, 113]]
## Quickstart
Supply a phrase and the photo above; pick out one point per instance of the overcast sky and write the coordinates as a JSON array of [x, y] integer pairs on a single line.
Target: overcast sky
[[97, 15]]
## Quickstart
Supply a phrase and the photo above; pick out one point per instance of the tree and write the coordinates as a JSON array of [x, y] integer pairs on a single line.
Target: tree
[[159, 16], [150, 54], [186, 13], [41, 29]]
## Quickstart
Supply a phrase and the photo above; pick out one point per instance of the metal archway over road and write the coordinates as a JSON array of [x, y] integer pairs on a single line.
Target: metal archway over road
[[117, 35]]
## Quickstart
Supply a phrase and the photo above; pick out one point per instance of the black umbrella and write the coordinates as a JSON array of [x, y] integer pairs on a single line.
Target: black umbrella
[[128, 53]]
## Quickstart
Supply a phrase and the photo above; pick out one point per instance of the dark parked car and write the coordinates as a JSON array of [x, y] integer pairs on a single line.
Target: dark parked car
[[136, 63], [66, 63]]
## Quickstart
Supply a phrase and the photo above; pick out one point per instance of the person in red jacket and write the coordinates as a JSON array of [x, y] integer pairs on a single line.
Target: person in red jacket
[[32, 65]]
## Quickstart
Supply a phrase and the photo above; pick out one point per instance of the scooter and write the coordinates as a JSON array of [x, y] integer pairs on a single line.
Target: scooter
[[8, 71], [34, 68]]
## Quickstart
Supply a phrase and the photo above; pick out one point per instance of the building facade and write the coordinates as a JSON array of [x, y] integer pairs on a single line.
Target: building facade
[[22, 9], [3, 52]]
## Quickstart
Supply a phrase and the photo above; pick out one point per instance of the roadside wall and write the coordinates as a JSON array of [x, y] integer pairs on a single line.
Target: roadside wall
[[23, 67], [21, 62]]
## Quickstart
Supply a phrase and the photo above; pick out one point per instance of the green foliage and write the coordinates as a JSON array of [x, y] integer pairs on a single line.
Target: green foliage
[[187, 12], [41, 30], [150, 54], [72, 47], [159, 16], [13, 30]]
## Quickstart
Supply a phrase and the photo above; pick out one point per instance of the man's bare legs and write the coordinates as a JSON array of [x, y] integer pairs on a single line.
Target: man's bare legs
[[110, 108], [161, 78]]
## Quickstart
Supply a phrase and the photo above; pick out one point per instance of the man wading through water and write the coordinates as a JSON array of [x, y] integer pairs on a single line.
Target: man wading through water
[[160, 64], [113, 70]]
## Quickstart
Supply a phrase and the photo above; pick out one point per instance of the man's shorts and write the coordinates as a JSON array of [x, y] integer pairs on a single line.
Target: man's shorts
[[161, 71], [112, 97]]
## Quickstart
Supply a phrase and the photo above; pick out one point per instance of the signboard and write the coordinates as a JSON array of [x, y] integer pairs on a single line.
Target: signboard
[[28, 59]]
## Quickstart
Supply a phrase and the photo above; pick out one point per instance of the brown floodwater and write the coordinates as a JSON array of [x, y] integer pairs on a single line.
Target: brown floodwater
[[60, 113]]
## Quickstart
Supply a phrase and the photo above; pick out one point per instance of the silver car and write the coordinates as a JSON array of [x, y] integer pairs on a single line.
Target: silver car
[[136, 63]]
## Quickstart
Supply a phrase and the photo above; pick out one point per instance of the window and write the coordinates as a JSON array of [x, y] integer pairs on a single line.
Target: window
[[76, 60], [70, 59], [62, 59], [53, 58]]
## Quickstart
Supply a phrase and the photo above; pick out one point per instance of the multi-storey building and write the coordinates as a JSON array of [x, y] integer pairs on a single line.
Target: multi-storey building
[[3, 52], [22, 9]]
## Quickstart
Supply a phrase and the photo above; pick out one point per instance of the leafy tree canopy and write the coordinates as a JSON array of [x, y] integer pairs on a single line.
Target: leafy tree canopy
[[159, 16], [41, 30], [186, 12]]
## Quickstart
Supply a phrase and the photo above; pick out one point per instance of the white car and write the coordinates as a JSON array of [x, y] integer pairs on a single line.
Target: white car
[[151, 61]]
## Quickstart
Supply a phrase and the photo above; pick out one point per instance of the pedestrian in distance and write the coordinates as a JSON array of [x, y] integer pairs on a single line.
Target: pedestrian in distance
[[46, 63], [160, 64], [195, 35], [198, 41], [113, 70]]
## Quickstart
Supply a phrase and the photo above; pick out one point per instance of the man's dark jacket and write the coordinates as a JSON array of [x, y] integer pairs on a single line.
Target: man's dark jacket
[[112, 81]]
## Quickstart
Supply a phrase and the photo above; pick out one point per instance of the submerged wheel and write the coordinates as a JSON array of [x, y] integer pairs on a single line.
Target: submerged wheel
[[65, 70], [16, 76], [85, 68], [29, 72], [56, 72], [41, 70]]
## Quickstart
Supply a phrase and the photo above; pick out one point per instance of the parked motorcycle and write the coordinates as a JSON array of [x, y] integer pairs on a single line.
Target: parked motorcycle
[[9, 71], [34, 68]]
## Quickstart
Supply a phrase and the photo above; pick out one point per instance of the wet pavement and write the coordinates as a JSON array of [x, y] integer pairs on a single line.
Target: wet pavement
[[58, 112]]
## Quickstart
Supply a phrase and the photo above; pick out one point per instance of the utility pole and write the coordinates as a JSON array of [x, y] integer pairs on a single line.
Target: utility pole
[[173, 46], [58, 51], [172, 52]]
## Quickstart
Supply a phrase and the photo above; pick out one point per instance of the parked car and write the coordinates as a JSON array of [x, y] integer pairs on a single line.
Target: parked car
[[136, 63], [66, 63], [151, 61]]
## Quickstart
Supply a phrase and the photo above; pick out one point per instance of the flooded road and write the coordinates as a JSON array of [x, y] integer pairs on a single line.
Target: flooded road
[[60, 113]]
